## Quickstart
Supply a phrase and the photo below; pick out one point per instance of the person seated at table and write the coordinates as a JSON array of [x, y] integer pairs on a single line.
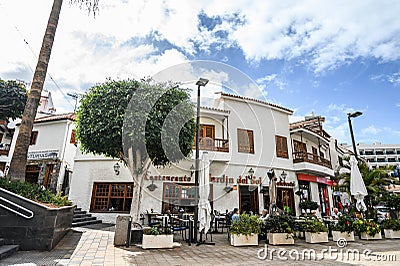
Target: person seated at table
[[336, 213], [235, 215], [264, 215]]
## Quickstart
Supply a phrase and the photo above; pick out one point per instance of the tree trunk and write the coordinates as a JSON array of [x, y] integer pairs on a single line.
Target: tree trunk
[[18, 162]]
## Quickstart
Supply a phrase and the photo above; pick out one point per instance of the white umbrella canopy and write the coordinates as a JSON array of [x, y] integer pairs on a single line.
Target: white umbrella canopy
[[204, 212], [357, 186]]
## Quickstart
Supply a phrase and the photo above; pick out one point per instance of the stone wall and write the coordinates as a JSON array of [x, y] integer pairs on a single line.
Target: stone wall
[[42, 232]]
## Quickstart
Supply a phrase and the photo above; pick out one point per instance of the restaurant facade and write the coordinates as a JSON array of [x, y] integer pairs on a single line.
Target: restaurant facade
[[244, 138]]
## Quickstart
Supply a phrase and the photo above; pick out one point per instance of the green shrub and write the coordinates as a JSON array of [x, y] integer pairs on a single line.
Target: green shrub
[[313, 225], [247, 224], [308, 204], [280, 224], [157, 230], [393, 224], [34, 192], [368, 226], [344, 224]]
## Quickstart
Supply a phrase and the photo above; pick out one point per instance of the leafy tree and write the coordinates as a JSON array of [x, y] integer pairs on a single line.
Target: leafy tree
[[12, 99], [138, 122], [18, 162]]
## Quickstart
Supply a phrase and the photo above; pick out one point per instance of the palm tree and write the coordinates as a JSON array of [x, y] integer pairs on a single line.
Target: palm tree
[[19, 159]]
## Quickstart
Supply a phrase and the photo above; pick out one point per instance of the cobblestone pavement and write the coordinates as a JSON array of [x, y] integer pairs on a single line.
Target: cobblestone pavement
[[94, 246]]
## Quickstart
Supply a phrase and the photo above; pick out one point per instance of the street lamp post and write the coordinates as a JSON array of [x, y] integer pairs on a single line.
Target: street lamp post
[[200, 83], [349, 116]]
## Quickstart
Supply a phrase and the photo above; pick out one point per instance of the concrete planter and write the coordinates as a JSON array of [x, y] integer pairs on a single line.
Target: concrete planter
[[321, 237], [244, 240], [390, 233], [365, 236], [280, 239], [42, 231], [336, 235], [157, 241]]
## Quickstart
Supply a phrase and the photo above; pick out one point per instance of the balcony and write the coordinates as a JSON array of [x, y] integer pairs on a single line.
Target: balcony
[[4, 149], [301, 156], [209, 144]]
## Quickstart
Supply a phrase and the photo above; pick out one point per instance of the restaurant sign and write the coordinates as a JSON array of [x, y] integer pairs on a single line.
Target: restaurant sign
[[42, 155], [213, 179]]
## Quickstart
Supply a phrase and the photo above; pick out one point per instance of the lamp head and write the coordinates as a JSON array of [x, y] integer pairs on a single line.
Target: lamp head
[[117, 167], [355, 114], [202, 82]]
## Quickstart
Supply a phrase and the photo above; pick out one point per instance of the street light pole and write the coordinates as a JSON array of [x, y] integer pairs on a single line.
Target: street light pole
[[201, 82], [349, 116]]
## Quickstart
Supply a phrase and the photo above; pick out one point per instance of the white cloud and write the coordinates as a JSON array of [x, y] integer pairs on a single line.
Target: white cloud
[[371, 130]]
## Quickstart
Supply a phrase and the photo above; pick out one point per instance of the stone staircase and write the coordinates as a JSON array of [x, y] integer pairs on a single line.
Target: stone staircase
[[82, 218], [7, 250]]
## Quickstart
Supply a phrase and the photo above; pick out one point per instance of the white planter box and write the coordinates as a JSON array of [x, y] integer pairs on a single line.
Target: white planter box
[[390, 233], [280, 239], [339, 235], [157, 241], [366, 236], [321, 237], [244, 240]]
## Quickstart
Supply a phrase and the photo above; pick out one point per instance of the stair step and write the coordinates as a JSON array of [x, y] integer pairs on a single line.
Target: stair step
[[86, 223], [77, 209], [8, 250], [80, 212], [82, 215], [1, 241], [81, 219]]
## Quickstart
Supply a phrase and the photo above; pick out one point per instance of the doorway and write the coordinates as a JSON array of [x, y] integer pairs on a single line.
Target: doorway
[[285, 198], [248, 199], [47, 175], [32, 174]]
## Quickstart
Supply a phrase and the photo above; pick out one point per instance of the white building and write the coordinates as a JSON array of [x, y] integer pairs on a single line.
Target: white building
[[51, 151], [241, 135], [379, 155]]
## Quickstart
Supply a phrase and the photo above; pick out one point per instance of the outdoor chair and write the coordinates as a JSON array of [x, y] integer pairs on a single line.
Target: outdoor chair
[[178, 225]]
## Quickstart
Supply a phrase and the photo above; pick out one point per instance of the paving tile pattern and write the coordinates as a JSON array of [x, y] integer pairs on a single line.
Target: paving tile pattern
[[94, 246]]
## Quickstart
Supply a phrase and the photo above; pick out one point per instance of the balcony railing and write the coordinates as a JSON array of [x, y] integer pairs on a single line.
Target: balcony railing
[[209, 144], [4, 149], [301, 156]]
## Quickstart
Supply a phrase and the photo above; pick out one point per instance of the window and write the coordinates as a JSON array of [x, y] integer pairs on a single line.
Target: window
[[281, 147], [73, 137], [111, 197], [245, 141], [180, 196], [304, 188], [33, 138], [207, 131]]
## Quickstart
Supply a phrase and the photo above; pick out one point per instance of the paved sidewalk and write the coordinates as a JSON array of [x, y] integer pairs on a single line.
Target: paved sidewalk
[[94, 246]]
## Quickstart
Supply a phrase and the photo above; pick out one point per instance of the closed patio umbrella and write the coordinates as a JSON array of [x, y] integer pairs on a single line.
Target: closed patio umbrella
[[357, 186], [204, 213], [272, 191]]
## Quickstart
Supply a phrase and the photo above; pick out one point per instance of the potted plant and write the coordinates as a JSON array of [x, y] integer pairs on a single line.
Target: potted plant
[[391, 228], [368, 229], [280, 228], [343, 229], [315, 230], [157, 237], [308, 205], [245, 230]]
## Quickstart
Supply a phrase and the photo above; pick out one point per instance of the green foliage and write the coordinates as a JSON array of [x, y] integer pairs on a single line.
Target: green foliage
[[314, 225], [13, 96], [101, 115], [119, 115], [280, 224], [308, 204], [157, 230], [344, 224], [393, 224], [247, 224], [34, 192], [393, 201], [368, 226]]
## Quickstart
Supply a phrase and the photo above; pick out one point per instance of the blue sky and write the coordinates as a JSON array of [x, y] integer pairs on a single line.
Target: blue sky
[[326, 57]]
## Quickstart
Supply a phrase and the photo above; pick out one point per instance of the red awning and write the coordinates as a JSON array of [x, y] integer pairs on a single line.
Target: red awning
[[316, 179]]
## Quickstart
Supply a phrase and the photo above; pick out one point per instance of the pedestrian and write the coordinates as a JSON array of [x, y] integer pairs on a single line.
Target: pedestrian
[[235, 215]]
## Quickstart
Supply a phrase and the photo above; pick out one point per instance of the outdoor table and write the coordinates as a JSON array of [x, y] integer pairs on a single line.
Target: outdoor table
[[150, 216]]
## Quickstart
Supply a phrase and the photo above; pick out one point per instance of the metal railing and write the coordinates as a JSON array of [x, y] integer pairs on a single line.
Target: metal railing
[[4, 149], [209, 144], [302, 156], [18, 207]]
